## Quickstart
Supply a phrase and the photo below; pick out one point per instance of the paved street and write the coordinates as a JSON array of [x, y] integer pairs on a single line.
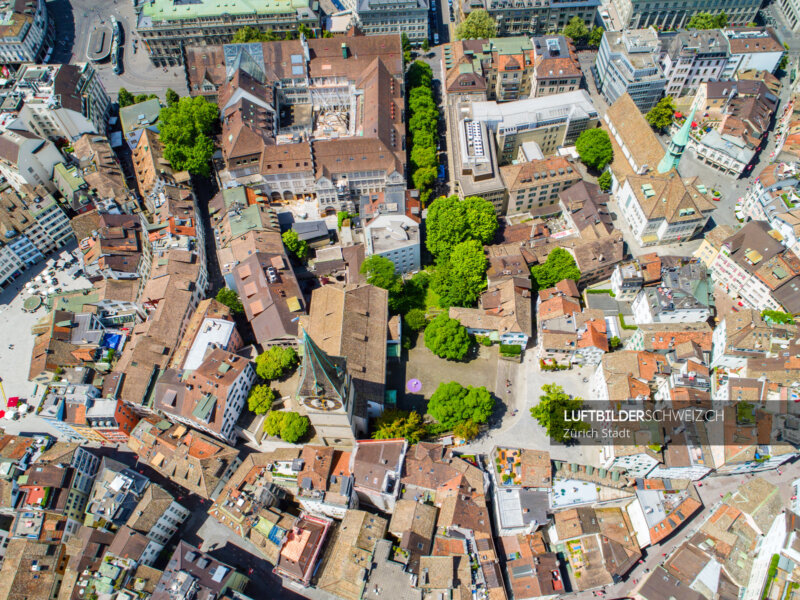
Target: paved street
[[75, 20], [15, 352]]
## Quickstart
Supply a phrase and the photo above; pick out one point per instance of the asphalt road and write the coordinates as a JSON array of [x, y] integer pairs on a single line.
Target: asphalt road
[[75, 20]]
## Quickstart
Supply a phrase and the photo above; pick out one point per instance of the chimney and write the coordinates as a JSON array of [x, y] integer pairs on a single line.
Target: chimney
[[344, 50]]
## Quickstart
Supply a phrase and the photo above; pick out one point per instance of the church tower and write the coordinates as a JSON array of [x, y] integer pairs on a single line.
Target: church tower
[[676, 146], [327, 396]]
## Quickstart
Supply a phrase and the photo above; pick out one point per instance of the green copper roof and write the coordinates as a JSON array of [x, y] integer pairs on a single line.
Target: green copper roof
[[676, 146], [205, 407], [682, 137], [168, 10], [322, 375]]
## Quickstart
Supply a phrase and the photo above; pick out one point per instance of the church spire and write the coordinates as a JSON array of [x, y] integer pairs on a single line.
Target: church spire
[[677, 145]]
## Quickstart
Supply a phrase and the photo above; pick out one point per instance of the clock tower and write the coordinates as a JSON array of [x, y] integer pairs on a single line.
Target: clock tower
[[327, 396]]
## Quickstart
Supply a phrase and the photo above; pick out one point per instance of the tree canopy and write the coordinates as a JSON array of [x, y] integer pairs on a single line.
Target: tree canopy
[[294, 244], [596, 36], [230, 298], [661, 115], [172, 97], [416, 319], [604, 181], [576, 30], [275, 362], [423, 128], [447, 338], [559, 265], [186, 127], [467, 430], [395, 423], [453, 404], [260, 399], [549, 413], [380, 272], [706, 20], [289, 426], [594, 148], [478, 25], [452, 221], [249, 34], [460, 280], [124, 98]]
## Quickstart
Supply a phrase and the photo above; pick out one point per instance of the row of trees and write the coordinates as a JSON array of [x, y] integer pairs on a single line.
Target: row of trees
[[249, 34], [423, 128], [274, 363], [456, 408], [457, 230]]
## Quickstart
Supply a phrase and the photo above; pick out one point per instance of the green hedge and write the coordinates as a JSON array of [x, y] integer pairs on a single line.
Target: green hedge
[[609, 292], [624, 326]]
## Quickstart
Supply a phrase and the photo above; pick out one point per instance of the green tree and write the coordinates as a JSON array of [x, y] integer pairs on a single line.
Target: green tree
[[559, 265], [604, 181], [276, 362], [294, 244], [478, 25], [614, 343], [405, 42], [172, 97], [596, 36], [425, 45], [706, 20], [661, 115], [380, 272], [785, 58], [424, 177], [447, 338], [124, 98], [452, 221], [341, 217], [396, 424], [453, 403], [460, 280], [413, 296], [549, 413], [230, 298], [594, 148], [272, 424], [293, 427], [186, 129], [306, 31], [260, 399], [327, 34], [420, 74], [249, 34], [144, 98], [416, 319], [289, 426], [576, 30], [467, 430]]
